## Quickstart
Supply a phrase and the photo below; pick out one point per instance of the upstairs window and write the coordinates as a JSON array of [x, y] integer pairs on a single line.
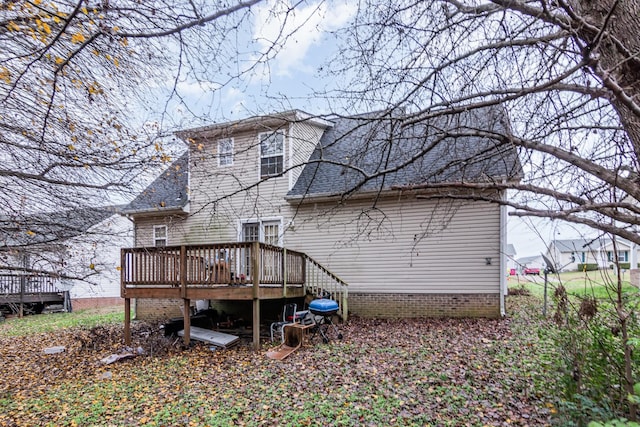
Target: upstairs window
[[271, 154], [160, 235], [225, 152]]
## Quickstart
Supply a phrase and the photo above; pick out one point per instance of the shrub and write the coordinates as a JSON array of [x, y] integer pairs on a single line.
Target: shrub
[[593, 349], [587, 267], [623, 265], [520, 290]]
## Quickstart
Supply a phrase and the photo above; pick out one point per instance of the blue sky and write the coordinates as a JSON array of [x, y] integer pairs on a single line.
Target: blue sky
[[285, 82]]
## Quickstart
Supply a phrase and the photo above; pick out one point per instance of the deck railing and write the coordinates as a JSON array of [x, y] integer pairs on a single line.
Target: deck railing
[[13, 284], [215, 264], [321, 282], [230, 264]]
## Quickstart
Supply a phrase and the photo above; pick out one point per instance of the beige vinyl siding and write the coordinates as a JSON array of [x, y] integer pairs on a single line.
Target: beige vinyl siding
[[403, 245], [419, 247], [303, 138], [144, 230], [215, 206], [216, 201]]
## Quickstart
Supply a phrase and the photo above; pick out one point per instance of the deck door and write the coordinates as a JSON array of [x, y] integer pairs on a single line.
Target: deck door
[[260, 231], [250, 233]]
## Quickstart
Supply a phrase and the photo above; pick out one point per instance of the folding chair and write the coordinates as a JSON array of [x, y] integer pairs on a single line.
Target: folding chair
[[288, 316]]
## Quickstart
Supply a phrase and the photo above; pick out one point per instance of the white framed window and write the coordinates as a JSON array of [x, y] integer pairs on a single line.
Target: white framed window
[[271, 154], [225, 152], [160, 235], [265, 231], [250, 232], [259, 231], [623, 256], [271, 232]]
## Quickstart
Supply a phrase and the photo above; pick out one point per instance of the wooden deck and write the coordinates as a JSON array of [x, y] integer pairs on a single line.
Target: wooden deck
[[24, 291], [225, 271]]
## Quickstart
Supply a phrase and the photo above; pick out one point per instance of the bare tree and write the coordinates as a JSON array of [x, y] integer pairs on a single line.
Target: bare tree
[[565, 72], [85, 88]]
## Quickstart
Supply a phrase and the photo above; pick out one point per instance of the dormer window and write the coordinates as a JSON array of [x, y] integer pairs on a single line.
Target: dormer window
[[271, 154], [225, 152]]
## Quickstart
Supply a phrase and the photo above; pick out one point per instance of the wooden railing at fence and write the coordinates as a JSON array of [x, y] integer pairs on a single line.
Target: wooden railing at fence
[[11, 284]]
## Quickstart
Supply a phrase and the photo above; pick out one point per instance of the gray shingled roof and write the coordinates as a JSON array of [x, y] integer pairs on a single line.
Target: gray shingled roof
[[576, 245], [584, 245], [361, 146], [527, 259], [51, 227], [168, 192]]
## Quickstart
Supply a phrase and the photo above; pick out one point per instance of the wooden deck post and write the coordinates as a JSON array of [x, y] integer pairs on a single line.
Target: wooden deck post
[[186, 306], [183, 271], [284, 272], [256, 324], [127, 321], [23, 280], [187, 321], [256, 271]]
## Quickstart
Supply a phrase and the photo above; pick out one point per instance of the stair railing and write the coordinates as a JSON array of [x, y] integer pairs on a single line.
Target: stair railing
[[322, 283]]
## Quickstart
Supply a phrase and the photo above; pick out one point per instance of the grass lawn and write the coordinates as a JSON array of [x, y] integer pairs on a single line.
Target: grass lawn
[[421, 372], [599, 284], [56, 321]]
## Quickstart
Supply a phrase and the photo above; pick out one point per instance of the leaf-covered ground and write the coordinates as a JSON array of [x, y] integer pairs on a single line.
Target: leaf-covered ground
[[439, 372]]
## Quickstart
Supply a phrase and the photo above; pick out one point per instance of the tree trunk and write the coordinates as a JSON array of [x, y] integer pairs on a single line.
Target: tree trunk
[[613, 55]]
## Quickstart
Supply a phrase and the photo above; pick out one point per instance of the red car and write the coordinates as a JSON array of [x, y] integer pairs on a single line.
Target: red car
[[531, 270]]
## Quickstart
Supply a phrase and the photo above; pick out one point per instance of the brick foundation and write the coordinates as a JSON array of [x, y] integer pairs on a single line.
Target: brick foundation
[[424, 305], [360, 304], [87, 303]]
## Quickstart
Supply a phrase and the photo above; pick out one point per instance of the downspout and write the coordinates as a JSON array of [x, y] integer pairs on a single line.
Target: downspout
[[503, 256]]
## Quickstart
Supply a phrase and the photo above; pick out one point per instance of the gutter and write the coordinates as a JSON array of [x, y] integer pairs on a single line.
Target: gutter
[[265, 122], [182, 210], [418, 190], [503, 256]]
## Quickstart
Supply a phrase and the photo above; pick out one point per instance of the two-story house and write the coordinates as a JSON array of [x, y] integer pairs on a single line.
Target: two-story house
[[378, 202]]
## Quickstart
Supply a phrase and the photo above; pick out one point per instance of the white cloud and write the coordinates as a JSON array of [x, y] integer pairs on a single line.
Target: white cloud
[[196, 88], [306, 26]]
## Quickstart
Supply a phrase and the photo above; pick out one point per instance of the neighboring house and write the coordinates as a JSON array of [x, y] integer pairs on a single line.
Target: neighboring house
[[408, 243], [79, 250], [569, 254], [532, 262]]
